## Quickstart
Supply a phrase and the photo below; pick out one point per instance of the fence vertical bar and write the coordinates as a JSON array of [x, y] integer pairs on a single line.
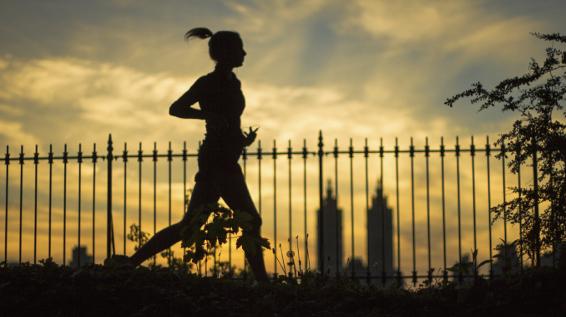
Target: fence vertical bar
[[398, 211], [383, 210], [35, 162], [321, 201], [536, 226], [335, 153], [154, 193], [140, 160], [245, 160], [65, 160], [518, 155], [50, 203], [503, 188], [7, 163], [487, 155], [289, 158], [125, 164], [412, 157], [109, 225], [366, 156], [459, 210], [169, 161], [79, 198], [555, 233], [473, 155], [186, 201], [275, 209], [305, 201], [351, 156], [442, 153], [21, 161], [427, 154], [259, 157], [94, 160]]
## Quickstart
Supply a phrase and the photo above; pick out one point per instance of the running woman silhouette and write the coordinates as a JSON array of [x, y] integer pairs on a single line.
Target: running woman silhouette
[[221, 105]]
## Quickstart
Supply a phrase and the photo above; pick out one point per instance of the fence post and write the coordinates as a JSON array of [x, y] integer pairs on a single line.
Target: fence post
[[321, 202], [7, 162], [536, 211], [109, 225]]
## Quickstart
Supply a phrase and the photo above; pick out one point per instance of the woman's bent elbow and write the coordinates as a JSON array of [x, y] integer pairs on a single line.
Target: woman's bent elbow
[[174, 110]]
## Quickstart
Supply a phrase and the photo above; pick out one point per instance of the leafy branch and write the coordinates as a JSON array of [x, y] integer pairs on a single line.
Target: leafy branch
[[538, 136], [200, 240]]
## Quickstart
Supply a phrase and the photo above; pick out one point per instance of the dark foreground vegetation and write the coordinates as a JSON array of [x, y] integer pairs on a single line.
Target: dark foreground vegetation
[[51, 290]]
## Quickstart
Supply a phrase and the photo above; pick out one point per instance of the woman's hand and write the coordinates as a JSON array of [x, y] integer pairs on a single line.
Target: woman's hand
[[249, 137]]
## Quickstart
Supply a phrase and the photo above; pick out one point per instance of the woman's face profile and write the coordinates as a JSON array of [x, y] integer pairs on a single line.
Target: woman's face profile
[[234, 53], [238, 53]]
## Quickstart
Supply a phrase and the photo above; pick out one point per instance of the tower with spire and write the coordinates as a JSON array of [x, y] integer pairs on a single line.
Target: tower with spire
[[332, 249], [380, 234]]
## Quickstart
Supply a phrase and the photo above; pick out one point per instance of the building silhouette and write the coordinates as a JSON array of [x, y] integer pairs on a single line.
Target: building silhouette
[[86, 259], [332, 247], [356, 267], [380, 235]]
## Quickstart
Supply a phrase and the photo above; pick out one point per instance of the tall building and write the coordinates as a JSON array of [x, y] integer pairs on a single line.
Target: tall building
[[332, 247], [86, 259], [380, 234]]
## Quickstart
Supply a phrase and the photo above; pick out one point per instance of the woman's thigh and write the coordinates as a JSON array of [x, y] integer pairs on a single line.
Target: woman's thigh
[[235, 193], [204, 193]]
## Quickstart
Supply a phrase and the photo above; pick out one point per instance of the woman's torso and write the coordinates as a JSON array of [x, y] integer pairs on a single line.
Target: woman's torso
[[221, 94]]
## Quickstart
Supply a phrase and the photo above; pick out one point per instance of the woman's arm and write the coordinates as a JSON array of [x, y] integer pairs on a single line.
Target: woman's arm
[[184, 111], [181, 108]]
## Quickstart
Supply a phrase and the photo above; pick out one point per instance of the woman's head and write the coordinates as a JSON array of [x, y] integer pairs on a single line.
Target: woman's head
[[224, 47]]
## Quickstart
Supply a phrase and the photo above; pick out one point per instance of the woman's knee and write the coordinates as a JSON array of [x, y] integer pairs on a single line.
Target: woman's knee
[[253, 225]]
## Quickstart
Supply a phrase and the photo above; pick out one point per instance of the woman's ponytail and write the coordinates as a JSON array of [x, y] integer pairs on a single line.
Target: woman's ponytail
[[201, 33], [221, 43]]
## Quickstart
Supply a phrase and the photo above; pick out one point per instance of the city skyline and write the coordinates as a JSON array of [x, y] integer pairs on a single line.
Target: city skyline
[[92, 74]]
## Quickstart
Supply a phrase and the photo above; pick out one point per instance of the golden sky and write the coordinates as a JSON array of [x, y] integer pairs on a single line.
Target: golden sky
[[75, 71]]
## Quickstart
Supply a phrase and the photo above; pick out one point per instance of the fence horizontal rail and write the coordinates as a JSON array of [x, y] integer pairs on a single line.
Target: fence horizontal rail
[[268, 153]]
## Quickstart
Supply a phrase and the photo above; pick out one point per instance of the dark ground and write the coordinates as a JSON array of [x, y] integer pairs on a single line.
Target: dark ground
[[50, 290]]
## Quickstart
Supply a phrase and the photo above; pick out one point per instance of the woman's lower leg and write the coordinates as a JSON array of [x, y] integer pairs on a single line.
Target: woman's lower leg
[[236, 194], [255, 259], [159, 242], [202, 194]]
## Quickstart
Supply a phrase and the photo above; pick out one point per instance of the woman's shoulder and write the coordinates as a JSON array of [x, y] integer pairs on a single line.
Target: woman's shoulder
[[204, 79], [204, 83], [212, 81]]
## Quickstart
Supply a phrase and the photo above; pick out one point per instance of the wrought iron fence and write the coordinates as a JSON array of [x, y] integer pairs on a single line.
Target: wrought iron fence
[[402, 241]]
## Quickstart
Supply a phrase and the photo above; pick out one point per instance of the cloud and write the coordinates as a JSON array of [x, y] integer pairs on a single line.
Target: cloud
[[110, 98], [269, 19], [410, 21], [497, 40], [88, 98], [14, 133]]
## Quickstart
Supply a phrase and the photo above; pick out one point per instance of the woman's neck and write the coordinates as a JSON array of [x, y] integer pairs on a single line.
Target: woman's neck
[[224, 70]]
